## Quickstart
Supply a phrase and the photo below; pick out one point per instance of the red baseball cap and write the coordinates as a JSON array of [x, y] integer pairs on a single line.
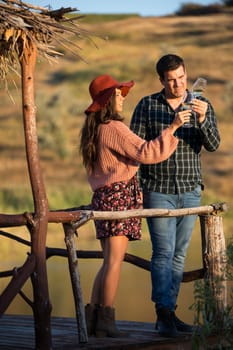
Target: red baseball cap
[[102, 88]]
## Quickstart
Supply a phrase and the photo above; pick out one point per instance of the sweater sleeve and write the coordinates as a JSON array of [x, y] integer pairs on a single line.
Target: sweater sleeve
[[119, 138]]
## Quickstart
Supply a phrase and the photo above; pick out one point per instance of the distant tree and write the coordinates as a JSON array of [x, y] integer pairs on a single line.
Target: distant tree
[[194, 9], [227, 2]]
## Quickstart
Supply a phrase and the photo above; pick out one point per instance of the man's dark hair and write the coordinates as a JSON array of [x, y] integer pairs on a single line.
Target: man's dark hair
[[168, 62]]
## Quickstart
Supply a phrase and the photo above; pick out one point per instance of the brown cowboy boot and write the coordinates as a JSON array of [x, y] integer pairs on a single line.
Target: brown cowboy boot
[[106, 326], [91, 318]]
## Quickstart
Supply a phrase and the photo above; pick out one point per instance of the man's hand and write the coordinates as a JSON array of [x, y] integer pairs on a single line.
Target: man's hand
[[199, 107]]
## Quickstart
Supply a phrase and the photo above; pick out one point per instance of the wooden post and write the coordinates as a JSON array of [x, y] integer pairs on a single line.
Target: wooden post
[[75, 280], [214, 259], [38, 227]]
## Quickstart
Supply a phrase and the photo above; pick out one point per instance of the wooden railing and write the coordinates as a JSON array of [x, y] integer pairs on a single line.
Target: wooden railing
[[213, 251]]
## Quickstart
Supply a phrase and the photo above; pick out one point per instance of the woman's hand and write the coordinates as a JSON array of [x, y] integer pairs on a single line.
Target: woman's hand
[[180, 119]]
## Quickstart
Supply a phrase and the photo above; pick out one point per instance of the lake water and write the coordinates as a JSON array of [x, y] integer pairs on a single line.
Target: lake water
[[133, 297]]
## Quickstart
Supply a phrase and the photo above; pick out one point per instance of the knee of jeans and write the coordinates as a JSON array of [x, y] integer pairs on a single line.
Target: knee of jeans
[[162, 255]]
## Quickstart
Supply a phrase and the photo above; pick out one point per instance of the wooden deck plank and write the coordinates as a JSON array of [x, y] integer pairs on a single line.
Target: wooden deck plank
[[17, 332]]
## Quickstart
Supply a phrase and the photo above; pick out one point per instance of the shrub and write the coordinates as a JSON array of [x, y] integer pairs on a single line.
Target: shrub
[[228, 3], [192, 9]]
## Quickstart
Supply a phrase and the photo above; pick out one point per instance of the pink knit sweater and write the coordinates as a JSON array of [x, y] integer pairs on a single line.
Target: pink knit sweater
[[121, 151]]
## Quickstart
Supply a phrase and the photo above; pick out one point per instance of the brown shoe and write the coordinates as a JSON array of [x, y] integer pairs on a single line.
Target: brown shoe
[[106, 326], [91, 318]]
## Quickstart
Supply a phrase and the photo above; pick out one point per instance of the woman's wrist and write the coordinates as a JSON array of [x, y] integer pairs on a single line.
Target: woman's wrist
[[172, 128]]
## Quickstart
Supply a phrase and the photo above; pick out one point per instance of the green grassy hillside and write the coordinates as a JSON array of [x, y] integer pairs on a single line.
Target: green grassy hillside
[[127, 48]]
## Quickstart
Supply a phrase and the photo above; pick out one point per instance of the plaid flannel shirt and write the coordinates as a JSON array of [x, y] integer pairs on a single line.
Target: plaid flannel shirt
[[182, 171]]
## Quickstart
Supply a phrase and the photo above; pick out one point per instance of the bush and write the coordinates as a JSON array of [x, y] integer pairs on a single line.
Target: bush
[[227, 3], [16, 200], [192, 9]]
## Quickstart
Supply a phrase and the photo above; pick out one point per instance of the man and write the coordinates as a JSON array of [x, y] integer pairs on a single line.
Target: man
[[173, 184]]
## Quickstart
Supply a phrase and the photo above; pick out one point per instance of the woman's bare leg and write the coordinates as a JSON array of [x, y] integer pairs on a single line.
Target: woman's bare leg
[[114, 251], [98, 282], [107, 279]]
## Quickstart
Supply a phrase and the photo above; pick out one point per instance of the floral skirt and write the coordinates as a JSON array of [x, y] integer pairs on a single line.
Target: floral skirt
[[123, 195]]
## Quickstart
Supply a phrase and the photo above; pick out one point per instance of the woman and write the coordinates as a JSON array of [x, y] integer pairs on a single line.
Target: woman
[[111, 155]]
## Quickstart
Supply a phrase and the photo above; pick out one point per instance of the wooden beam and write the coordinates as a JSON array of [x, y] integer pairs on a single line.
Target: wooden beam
[[79, 216], [19, 278]]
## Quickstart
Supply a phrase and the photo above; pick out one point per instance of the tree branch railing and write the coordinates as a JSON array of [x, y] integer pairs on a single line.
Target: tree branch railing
[[78, 216], [74, 218], [95, 254]]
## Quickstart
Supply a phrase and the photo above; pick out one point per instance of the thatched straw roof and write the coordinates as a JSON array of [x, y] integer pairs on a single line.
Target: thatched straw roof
[[21, 23]]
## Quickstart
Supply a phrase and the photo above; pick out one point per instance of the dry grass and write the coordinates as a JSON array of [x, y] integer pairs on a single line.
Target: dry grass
[[133, 46]]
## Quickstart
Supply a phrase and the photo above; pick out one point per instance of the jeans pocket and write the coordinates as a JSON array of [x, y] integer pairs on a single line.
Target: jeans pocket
[[197, 191]]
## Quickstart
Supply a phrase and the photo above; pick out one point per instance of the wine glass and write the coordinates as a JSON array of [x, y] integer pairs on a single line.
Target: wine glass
[[187, 104], [199, 87]]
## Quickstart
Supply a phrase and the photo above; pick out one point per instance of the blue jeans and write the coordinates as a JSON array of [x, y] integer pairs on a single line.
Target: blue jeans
[[170, 238]]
